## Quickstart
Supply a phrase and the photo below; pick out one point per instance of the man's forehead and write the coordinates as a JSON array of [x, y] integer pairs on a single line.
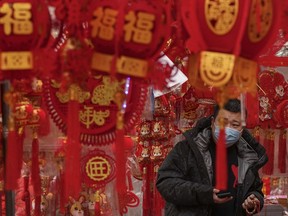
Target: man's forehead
[[229, 115]]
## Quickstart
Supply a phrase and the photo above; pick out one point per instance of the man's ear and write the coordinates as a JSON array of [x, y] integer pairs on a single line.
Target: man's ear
[[212, 120]]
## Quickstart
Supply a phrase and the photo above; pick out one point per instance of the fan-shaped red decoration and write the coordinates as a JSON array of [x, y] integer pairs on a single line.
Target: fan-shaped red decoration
[[97, 109]]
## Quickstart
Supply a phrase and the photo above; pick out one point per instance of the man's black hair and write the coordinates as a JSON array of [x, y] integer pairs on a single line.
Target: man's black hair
[[232, 105]]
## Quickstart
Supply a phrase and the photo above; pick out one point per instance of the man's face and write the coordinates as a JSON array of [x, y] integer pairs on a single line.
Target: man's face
[[231, 119]]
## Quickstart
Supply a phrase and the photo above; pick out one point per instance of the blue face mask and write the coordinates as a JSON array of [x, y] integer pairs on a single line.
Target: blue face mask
[[232, 135]]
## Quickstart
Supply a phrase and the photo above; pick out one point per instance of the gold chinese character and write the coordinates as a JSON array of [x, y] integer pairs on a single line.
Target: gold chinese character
[[98, 168], [138, 28], [90, 116], [20, 19], [103, 23]]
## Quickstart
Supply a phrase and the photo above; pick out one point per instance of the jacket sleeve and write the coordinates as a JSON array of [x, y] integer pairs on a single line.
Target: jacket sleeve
[[173, 184], [253, 174]]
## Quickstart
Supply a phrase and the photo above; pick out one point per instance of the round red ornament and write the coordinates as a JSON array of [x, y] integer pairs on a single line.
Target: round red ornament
[[98, 169]]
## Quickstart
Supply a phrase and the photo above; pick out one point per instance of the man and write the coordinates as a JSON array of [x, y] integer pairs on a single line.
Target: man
[[186, 179]]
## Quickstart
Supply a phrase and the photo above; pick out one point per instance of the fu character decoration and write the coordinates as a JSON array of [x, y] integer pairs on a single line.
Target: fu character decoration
[[128, 35], [24, 30]]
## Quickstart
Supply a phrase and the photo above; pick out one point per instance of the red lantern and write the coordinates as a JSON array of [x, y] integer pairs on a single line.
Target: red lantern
[[127, 36], [222, 31], [231, 26], [24, 26]]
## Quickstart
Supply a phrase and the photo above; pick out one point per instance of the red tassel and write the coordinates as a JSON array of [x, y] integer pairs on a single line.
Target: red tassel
[[146, 192], [12, 166], [97, 205], [282, 152], [120, 161], [269, 146], [35, 175], [72, 171], [62, 197], [221, 162], [157, 197], [26, 196]]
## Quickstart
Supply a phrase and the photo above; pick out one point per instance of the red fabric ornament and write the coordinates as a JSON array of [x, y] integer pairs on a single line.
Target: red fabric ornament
[[282, 152], [209, 30], [97, 125], [134, 34], [221, 161]]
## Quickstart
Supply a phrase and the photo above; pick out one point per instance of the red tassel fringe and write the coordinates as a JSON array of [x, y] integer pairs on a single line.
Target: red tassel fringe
[[282, 152], [12, 166], [72, 171], [221, 162], [146, 191], [120, 161], [26, 196], [269, 146], [36, 175]]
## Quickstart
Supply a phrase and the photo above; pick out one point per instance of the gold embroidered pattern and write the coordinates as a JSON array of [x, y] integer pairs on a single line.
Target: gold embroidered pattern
[[89, 116], [104, 94], [64, 97], [16, 61], [98, 168], [216, 69], [257, 33], [221, 15]]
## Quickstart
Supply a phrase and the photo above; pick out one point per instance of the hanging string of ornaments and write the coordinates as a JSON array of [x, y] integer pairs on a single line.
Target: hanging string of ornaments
[[95, 73]]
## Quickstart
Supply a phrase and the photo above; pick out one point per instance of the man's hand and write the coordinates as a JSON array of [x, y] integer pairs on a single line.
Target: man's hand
[[220, 200], [251, 204]]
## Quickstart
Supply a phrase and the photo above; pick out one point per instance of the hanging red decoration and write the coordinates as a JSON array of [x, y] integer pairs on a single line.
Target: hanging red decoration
[[126, 36], [282, 151], [97, 169], [269, 146], [24, 26], [97, 107]]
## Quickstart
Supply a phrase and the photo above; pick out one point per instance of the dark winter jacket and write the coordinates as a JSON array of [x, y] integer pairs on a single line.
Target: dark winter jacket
[[184, 178]]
